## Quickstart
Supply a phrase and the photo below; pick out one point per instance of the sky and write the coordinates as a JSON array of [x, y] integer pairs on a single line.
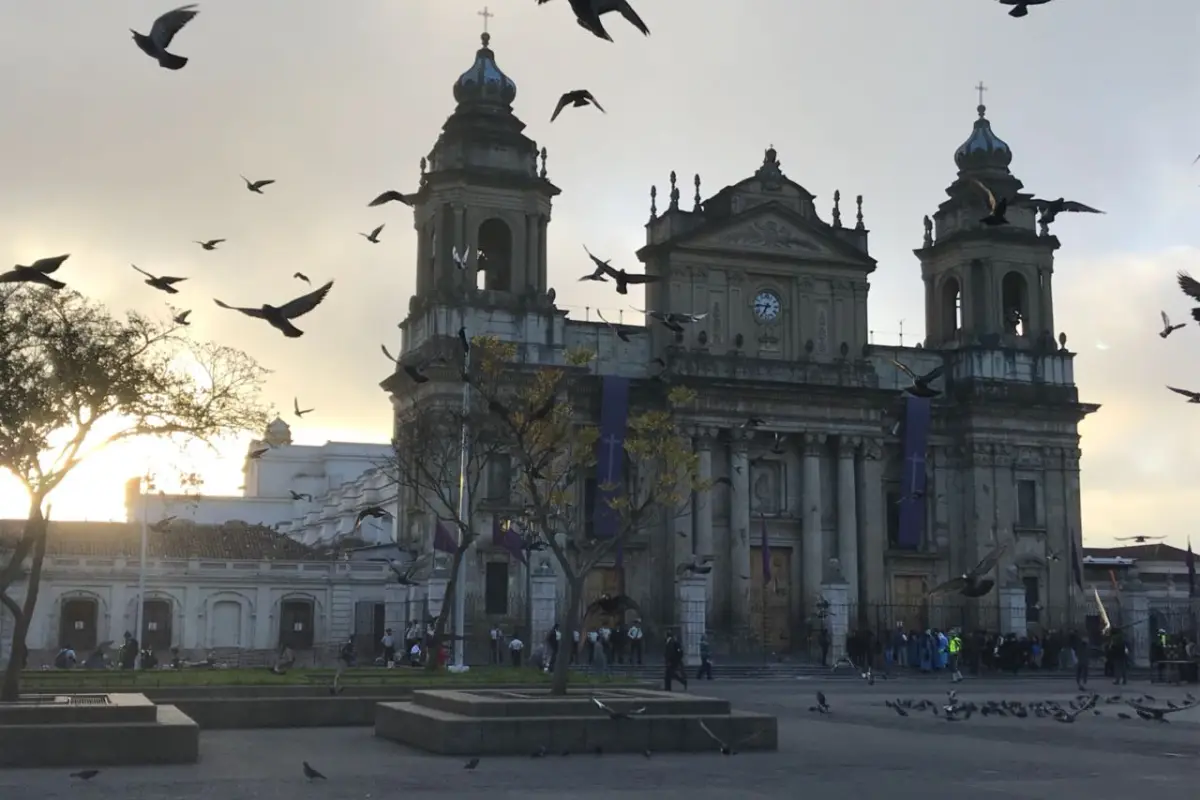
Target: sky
[[116, 161]]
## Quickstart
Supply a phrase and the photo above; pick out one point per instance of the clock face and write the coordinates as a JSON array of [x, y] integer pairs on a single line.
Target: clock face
[[767, 306]]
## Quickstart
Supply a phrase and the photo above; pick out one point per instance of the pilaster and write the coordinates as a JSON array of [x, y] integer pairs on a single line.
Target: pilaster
[[703, 507], [847, 513], [544, 605], [811, 533], [872, 524], [739, 527]]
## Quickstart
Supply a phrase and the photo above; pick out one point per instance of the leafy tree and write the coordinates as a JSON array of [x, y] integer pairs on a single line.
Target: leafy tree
[[75, 379], [427, 467], [554, 451]]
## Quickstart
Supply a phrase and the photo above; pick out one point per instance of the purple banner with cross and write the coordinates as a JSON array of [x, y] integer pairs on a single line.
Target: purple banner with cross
[[918, 418], [610, 456]]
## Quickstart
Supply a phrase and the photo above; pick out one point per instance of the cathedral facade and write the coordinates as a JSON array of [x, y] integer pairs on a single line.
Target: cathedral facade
[[848, 480]]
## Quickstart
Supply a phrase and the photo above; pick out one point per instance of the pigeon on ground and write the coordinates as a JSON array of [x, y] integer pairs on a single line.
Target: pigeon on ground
[[164, 284], [211, 244], [162, 32], [85, 774], [37, 272], [997, 209], [920, 383], [576, 99], [280, 317], [298, 411], [973, 583], [311, 773], [373, 236], [1021, 7], [390, 195], [604, 271], [257, 186]]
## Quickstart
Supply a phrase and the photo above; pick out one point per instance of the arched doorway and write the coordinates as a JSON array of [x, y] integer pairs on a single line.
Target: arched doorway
[[156, 624], [1014, 293], [296, 624], [951, 308], [78, 624], [495, 242]]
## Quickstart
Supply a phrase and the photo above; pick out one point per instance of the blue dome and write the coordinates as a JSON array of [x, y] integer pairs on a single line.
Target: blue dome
[[983, 149], [484, 83]]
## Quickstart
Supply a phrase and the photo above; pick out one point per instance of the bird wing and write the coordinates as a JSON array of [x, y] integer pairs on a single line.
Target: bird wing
[[1103, 611], [1183, 392], [562, 103], [302, 305], [168, 280], [989, 561], [48, 265], [951, 586], [641, 278], [171, 23], [419, 566], [934, 373], [628, 13], [250, 312], [147, 274], [377, 231], [386, 197], [183, 315], [215, 242], [296, 405], [991, 198], [390, 357], [904, 369], [1071, 205], [261, 184], [592, 98], [711, 735], [1189, 285], [602, 266], [1166, 320]]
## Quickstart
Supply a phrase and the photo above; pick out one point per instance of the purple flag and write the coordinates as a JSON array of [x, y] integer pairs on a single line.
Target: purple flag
[[917, 421], [443, 541], [610, 458], [766, 554], [505, 535]]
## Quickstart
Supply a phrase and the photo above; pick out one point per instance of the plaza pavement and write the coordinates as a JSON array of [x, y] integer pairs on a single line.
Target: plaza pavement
[[862, 750]]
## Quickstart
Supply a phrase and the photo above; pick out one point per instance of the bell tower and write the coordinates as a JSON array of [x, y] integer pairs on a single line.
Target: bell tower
[[986, 286], [484, 193]]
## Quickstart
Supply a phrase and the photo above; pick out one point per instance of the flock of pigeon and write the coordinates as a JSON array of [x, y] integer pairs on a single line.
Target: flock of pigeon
[[954, 710]]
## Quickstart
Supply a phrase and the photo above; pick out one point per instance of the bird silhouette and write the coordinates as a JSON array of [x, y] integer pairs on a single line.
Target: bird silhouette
[[38, 272], [1050, 209], [301, 276], [162, 32], [297, 410], [1191, 287], [1193, 397], [622, 333], [163, 284], [614, 713], [257, 186], [163, 525], [701, 565], [1021, 7], [1168, 328], [997, 209], [373, 236], [390, 195], [920, 383], [472, 764], [604, 270], [211, 244], [673, 320], [576, 99], [300, 495], [726, 748], [311, 773], [281, 317], [588, 12], [85, 774], [413, 573], [371, 512], [256, 454], [181, 318], [973, 583]]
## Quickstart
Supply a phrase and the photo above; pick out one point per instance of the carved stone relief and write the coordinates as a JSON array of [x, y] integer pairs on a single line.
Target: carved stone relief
[[823, 329], [765, 487], [770, 234], [718, 329]]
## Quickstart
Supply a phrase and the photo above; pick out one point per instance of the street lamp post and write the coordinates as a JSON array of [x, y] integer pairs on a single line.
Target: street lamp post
[[147, 486]]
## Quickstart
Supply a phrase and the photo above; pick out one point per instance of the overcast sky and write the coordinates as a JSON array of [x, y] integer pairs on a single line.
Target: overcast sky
[[116, 161]]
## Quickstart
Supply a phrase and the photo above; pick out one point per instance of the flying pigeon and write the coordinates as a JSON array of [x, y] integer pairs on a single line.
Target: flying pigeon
[[162, 32], [613, 713], [165, 283], [37, 272], [373, 236], [372, 512], [696, 566], [472, 764], [296, 408], [1021, 7], [726, 748], [588, 12], [211, 244], [1052, 208], [85, 774], [1168, 328], [1191, 287], [390, 195], [673, 320], [162, 525], [257, 186], [280, 317], [300, 495], [255, 455], [604, 271], [181, 318], [622, 333], [301, 276], [920, 383], [463, 259], [997, 209], [410, 574], [1193, 397], [973, 583], [576, 99]]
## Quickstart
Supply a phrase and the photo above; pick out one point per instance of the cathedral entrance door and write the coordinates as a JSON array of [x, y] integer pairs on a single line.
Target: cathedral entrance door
[[908, 602], [770, 605]]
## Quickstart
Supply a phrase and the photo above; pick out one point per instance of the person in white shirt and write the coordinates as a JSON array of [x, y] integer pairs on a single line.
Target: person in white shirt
[[592, 639], [515, 646], [497, 637], [574, 646], [414, 654], [635, 642], [389, 648]]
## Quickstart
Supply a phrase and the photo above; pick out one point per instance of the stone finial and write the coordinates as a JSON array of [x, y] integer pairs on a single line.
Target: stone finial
[[696, 198], [542, 174], [424, 166], [653, 203], [837, 209], [674, 193], [278, 433], [858, 226], [928, 242]]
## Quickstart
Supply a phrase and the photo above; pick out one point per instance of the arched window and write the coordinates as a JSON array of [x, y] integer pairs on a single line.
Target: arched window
[[495, 243], [951, 308], [1014, 294], [296, 624]]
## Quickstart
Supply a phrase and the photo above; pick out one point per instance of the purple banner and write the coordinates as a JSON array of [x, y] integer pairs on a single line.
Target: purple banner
[[918, 416], [610, 457]]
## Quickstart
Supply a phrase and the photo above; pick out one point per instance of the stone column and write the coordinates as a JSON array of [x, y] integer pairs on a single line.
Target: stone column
[[682, 529], [703, 521], [847, 514], [691, 598], [544, 604], [836, 593], [811, 533], [872, 577], [739, 528], [435, 595]]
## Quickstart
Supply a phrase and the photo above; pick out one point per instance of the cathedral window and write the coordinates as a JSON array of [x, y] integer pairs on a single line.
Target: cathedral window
[[499, 478], [1027, 505], [893, 517], [951, 307], [495, 588], [1014, 291], [1033, 598], [495, 245]]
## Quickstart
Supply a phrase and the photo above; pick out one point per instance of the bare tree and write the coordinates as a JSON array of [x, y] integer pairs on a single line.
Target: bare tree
[[555, 452], [445, 443], [75, 379]]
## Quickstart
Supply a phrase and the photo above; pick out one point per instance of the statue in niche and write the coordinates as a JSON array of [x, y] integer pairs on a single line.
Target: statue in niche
[[766, 494]]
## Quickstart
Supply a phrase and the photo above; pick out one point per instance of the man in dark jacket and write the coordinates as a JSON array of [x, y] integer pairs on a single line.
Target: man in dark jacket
[[674, 664]]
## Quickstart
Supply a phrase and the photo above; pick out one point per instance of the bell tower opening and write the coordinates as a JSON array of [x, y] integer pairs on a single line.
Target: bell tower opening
[[1014, 298], [951, 308], [495, 241]]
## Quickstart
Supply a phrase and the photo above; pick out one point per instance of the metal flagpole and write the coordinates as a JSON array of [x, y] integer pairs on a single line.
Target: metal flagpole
[[141, 595], [460, 600]]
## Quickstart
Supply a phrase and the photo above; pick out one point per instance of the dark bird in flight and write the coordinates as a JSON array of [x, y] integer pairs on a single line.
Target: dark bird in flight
[[1193, 397], [920, 383], [211, 244], [464, 340], [281, 317], [604, 271], [303, 277], [973, 583], [1168, 328], [390, 195], [414, 571], [300, 495], [1021, 7], [696, 566], [162, 525], [181, 318], [164, 284], [1190, 287], [726, 748], [588, 13], [372, 512], [257, 186], [85, 774], [296, 408], [37, 272], [255, 455], [1140, 539], [414, 371], [1052, 208], [613, 713], [472, 764], [622, 333], [576, 99], [373, 236], [611, 606], [311, 773], [997, 209], [674, 321], [162, 32]]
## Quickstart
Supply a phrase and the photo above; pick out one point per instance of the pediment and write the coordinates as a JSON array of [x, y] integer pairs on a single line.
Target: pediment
[[775, 232]]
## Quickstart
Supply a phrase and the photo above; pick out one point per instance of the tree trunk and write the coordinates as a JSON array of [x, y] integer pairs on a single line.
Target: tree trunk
[[35, 527], [439, 624], [567, 626]]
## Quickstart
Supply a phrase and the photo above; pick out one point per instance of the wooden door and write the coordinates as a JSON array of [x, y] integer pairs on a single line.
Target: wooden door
[[909, 605], [77, 626], [770, 605], [296, 624], [156, 625]]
